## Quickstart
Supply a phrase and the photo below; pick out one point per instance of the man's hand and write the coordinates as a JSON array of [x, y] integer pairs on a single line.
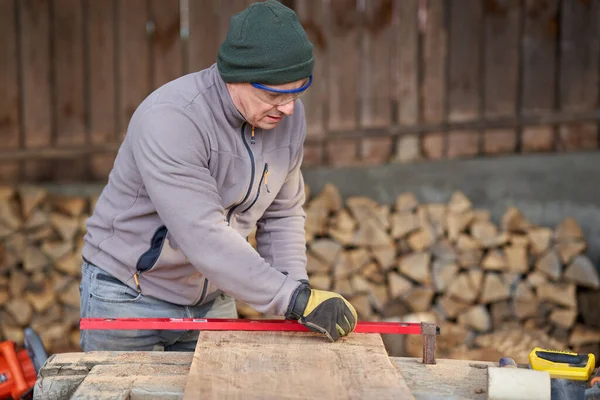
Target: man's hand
[[323, 312]]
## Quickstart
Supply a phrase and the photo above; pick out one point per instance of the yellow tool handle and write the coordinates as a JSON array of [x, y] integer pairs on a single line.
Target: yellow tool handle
[[563, 364]]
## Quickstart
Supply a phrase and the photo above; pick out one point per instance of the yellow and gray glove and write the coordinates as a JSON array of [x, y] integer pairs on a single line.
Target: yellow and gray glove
[[321, 311]]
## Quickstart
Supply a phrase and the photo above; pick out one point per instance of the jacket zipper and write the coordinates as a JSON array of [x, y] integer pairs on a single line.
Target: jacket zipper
[[232, 209], [262, 178]]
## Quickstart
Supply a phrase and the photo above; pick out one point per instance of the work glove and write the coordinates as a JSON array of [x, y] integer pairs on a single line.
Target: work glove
[[322, 311]]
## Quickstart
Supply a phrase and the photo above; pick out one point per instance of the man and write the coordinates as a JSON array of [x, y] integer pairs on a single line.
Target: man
[[206, 158]]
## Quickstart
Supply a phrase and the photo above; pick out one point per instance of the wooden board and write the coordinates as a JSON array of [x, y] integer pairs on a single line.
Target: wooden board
[[312, 18], [102, 82], [375, 62], [539, 39], [134, 59], [203, 44], [289, 365], [433, 90], [464, 59], [343, 64], [447, 379], [9, 101], [579, 57], [405, 61], [165, 42], [37, 95], [69, 103], [539, 53], [579, 80], [501, 57], [90, 375]]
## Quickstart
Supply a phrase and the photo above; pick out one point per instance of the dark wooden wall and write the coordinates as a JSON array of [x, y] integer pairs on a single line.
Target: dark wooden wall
[[395, 80]]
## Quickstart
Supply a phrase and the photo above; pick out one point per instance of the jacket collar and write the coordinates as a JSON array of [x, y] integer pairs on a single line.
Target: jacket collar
[[232, 114]]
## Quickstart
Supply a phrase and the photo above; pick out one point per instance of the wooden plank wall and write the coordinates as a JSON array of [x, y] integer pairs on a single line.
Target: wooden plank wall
[[395, 80]]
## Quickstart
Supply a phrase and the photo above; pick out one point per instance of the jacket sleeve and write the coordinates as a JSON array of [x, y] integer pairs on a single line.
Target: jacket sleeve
[[280, 234], [172, 157]]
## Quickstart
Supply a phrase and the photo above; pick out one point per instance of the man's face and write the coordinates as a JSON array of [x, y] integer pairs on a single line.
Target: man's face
[[262, 107]]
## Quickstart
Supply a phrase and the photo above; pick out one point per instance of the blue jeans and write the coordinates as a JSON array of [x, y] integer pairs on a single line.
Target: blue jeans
[[103, 296]]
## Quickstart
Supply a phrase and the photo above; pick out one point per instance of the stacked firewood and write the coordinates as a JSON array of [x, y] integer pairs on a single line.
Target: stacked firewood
[[445, 262], [41, 236], [453, 263]]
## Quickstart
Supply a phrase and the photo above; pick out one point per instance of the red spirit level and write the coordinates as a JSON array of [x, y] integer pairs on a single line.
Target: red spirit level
[[217, 324], [428, 330]]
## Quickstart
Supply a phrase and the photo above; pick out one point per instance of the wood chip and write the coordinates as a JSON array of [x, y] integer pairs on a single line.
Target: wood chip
[[343, 221], [583, 335], [419, 299], [568, 230], [444, 251], [540, 239], [343, 287], [442, 274], [320, 281], [462, 289], [513, 221], [371, 234], [519, 240], [31, 196], [550, 265], [398, 285], [70, 264], [583, 272], [406, 202], [416, 267], [494, 289], [404, 223], [470, 258], [568, 250], [422, 239], [66, 226], [56, 250], [315, 265], [72, 206], [34, 259], [459, 203], [325, 249], [562, 294], [477, 318], [516, 258], [495, 261], [362, 305], [457, 224], [20, 310], [451, 307], [564, 318], [385, 256], [373, 272]]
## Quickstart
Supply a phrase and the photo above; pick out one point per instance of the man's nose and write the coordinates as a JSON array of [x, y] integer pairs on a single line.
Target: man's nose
[[287, 108]]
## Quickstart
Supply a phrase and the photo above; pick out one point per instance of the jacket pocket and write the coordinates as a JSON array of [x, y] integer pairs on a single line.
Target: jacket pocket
[[163, 261], [149, 258]]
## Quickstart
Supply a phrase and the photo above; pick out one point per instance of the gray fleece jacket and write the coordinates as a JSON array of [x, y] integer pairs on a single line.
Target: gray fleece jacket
[[188, 185]]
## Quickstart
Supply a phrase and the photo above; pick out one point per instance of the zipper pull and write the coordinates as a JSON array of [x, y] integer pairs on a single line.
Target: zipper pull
[[137, 281], [252, 139], [267, 177]]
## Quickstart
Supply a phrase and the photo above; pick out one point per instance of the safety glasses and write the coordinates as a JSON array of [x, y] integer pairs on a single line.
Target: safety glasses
[[279, 97]]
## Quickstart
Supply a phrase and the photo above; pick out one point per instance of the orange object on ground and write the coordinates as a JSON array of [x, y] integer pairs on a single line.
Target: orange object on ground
[[19, 368]]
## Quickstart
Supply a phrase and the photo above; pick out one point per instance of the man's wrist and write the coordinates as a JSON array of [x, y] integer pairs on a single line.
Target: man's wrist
[[298, 302]]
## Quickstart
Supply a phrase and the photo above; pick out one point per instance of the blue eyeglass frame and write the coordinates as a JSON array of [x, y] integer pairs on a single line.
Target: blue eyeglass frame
[[269, 89]]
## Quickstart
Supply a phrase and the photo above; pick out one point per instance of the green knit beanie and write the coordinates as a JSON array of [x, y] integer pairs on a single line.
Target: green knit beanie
[[265, 44]]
